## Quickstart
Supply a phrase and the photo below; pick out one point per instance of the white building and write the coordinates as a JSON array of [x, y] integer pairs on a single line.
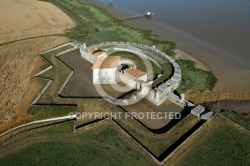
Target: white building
[[109, 70], [92, 54], [132, 76], [105, 70]]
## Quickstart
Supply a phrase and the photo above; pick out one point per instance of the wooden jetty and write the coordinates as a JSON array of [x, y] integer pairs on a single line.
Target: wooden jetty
[[148, 15]]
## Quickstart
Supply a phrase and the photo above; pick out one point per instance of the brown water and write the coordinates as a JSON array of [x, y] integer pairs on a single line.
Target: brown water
[[217, 32], [225, 23]]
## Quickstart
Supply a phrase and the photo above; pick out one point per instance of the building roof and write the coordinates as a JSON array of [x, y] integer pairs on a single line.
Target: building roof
[[106, 62], [91, 50], [136, 73], [98, 52]]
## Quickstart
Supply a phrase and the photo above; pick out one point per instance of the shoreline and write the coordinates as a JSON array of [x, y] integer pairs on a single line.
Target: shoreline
[[180, 54], [225, 67]]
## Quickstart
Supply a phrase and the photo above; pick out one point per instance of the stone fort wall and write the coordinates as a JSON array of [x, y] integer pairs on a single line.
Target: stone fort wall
[[163, 91]]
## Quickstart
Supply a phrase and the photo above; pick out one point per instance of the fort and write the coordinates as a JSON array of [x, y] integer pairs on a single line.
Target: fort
[[64, 119], [110, 70], [107, 69]]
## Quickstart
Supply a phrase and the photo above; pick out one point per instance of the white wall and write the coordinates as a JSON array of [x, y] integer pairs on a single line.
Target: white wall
[[87, 56], [126, 78], [143, 78], [105, 76]]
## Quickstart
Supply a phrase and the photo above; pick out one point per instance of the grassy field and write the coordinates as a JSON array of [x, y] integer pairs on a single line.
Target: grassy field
[[92, 18], [243, 120], [39, 112], [92, 146], [220, 142], [157, 144]]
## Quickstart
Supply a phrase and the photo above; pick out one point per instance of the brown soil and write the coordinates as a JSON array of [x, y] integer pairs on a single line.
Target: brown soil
[[237, 102], [236, 106], [21, 19], [180, 54], [210, 96], [19, 61]]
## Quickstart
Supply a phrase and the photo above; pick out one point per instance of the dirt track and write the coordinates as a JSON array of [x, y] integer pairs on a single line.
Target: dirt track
[[22, 19]]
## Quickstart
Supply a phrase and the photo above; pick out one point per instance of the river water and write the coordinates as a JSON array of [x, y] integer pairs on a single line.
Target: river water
[[225, 23], [216, 32]]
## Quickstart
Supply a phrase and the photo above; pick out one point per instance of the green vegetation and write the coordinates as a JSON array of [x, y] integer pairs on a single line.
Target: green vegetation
[[59, 73], [97, 145], [243, 120], [48, 56], [157, 144], [89, 18], [219, 143], [47, 111], [167, 72], [94, 146], [195, 79], [135, 58]]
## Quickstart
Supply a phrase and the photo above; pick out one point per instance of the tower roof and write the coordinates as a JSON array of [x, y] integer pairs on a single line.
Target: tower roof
[[106, 62], [136, 73]]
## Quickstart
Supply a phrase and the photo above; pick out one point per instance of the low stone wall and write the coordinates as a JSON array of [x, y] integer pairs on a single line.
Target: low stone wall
[[139, 144], [43, 71], [38, 122], [59, 92], [75, 47], [43, 90], [189, 138], [67, 51], [53, 49], [87, 56]]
